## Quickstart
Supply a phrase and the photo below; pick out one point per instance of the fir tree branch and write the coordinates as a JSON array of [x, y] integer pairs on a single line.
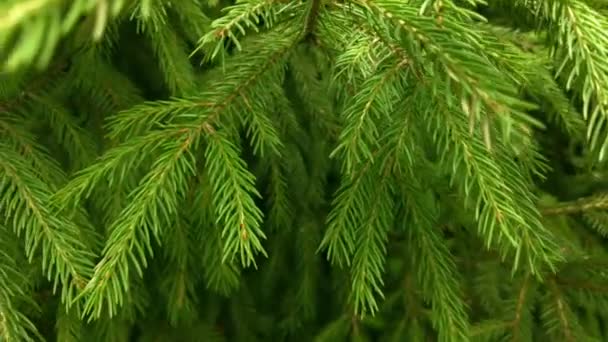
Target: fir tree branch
[[14, 288], [168, 46], [376, 97], [66, 258], [576, 30], [233, 200], [434, 266], [152, 205], [69, 327], [371, 237], [499, 189], [581, 205], [76, 141], [222, 278], [457, 63], [24, 142], [179, 280], [42, 23], [522, 298], [245, 14], [311, 18], [128, 240], [113, 166]]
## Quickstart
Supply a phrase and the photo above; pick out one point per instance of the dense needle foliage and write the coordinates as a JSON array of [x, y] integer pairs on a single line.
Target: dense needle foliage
[[285, 170]]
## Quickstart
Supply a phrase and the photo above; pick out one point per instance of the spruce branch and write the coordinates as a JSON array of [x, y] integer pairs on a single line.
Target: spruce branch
[[233, 191], [532, 69], [307, 293], [581, 205], [578, 34], [499, 190], [598, 220], [457, 63], [96, 79], [280, 214], [178, 285], [348, 207], [112, 166], [245, 14], [434, 266], [173, 60], [191, 19], [558, 316], [304, 67], [153, 203], [128, 241], [311, 18], [42, 23], [14, 288], [75, 140], [150, 115], [222, 278], [69, 327], [23, 142], [376, 97], [153, 20], [66, 259], [371, 238]]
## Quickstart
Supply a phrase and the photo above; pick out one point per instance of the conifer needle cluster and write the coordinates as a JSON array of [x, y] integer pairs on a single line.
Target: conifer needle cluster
[[285, 170]]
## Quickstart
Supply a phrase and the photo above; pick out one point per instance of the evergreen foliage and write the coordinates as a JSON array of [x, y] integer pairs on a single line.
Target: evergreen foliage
[[361, 170]]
